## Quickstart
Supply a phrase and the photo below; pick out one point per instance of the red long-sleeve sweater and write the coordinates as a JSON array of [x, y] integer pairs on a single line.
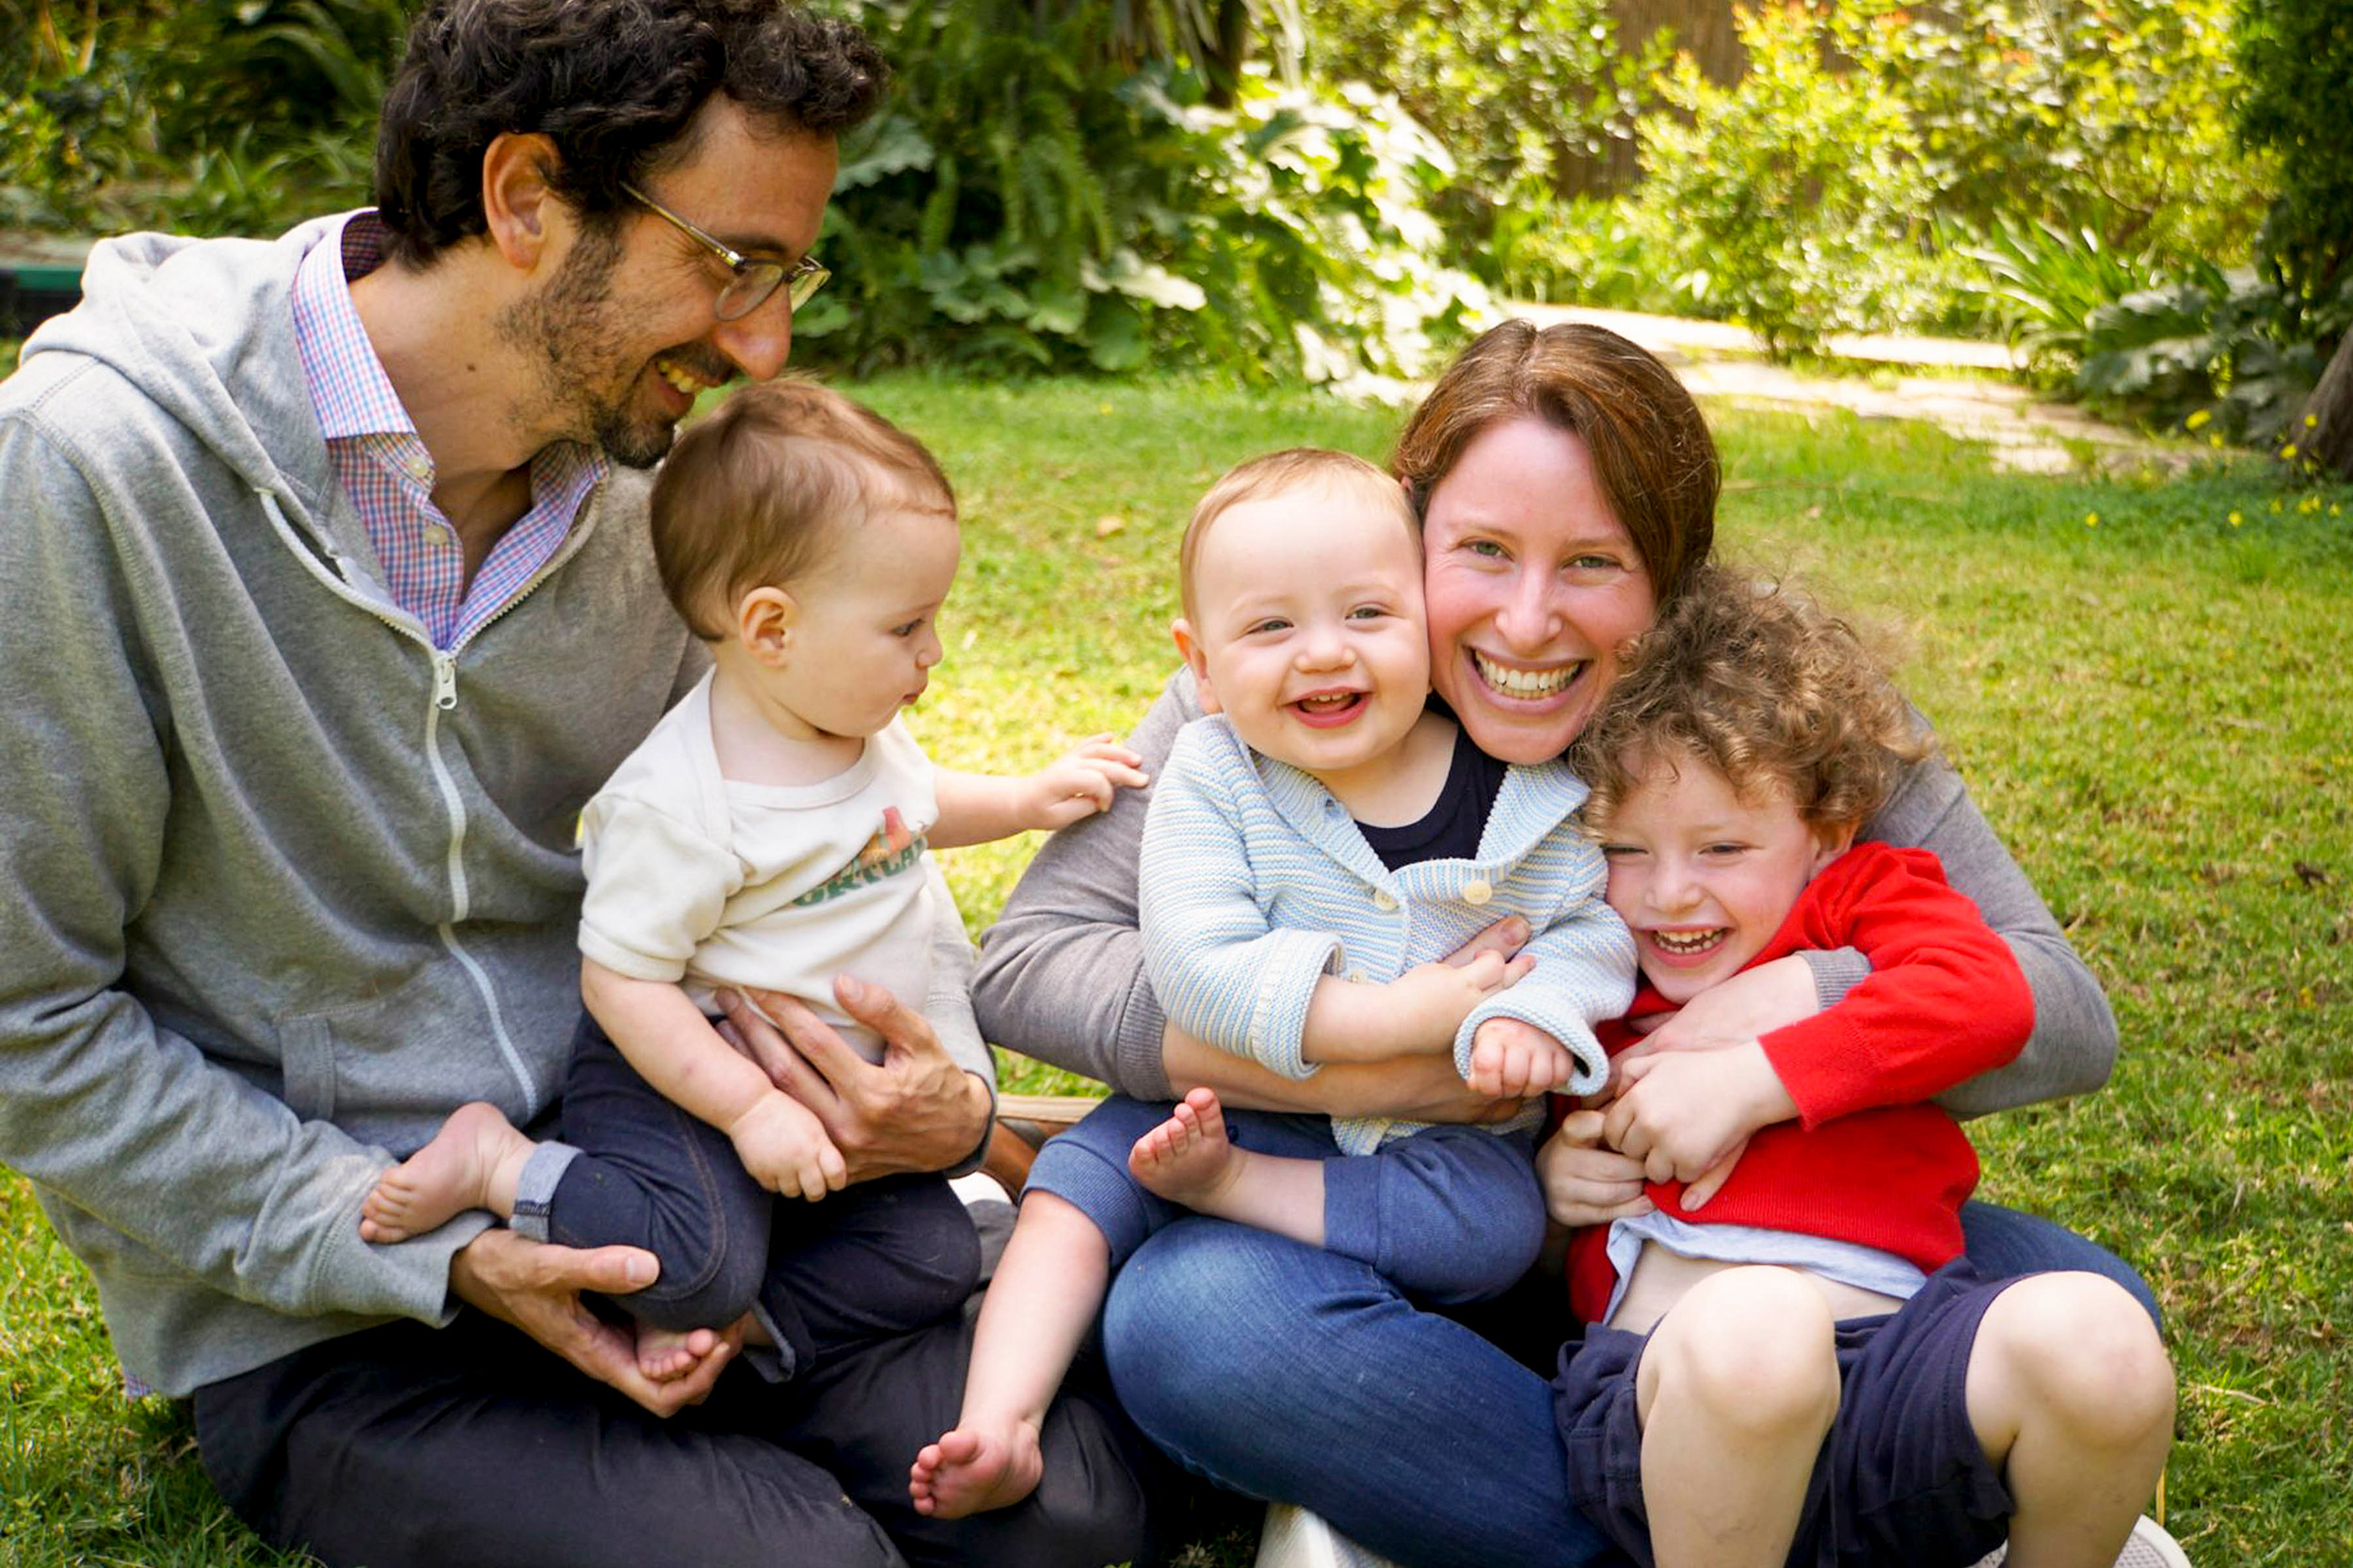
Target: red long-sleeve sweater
[[1868, 1161]]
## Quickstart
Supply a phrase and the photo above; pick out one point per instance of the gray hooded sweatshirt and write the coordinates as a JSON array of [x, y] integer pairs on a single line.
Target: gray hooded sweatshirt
[[286, 884]]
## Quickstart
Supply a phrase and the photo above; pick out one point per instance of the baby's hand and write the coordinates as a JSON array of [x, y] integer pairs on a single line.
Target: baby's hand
[[783, 1144], [1510, 1059], [1433, 1000], [1079, 784]]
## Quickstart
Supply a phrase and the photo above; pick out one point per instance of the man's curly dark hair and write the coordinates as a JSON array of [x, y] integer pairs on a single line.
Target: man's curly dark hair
[[614, 84]]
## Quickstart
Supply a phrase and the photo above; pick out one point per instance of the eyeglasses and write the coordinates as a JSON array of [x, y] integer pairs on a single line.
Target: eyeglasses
[[755, 279]]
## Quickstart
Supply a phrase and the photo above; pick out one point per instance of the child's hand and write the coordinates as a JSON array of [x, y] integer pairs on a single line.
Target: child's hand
[[1585, 1182], [1510, 1059], [1081, 783], [1685, 1114], [785, 1147], [1430, 1000]]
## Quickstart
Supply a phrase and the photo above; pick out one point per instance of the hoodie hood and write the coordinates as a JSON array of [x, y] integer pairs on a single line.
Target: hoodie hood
[[205, 330]]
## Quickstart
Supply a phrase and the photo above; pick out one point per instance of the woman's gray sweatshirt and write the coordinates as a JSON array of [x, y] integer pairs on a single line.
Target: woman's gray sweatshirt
[[1061, 972], [285, 884]]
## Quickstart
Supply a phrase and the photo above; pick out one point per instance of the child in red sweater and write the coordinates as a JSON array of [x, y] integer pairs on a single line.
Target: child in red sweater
[[1789, 1361]]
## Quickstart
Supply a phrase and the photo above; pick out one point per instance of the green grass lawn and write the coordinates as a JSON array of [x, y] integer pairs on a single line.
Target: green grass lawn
[[2143, 683]]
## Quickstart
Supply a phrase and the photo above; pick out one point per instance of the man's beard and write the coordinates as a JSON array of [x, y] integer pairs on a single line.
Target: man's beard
[[571, 325]]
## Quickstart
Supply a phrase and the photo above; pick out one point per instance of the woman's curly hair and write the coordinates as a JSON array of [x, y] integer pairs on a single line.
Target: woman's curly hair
[[1761, 683]]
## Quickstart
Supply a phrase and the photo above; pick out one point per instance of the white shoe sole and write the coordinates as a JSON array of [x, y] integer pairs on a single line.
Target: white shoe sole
[[2148, 1547], [1294, 1538]]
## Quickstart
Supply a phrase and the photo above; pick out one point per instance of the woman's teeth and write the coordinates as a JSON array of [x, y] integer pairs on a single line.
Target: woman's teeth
[[1517, 682], [1683, 944]]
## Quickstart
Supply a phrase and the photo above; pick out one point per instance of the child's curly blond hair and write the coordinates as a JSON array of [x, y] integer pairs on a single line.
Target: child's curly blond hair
[[1761, 683]]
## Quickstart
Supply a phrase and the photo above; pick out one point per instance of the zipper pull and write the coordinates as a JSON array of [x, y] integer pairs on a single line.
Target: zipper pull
[[444, 682]]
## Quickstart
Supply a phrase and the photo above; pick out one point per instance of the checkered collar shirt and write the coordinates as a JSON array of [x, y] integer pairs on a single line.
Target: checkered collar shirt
[[373, 451]]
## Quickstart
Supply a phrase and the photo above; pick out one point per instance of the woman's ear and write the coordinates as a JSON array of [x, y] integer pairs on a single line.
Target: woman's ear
[[764, 620], [1188, 648]]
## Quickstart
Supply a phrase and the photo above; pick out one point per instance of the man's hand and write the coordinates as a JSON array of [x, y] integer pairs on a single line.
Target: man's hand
[[1685, 1114], [536, 1287], [914, 1111], [1586, 1184], [786, 1150], [1081, 782], [1512, 1058]]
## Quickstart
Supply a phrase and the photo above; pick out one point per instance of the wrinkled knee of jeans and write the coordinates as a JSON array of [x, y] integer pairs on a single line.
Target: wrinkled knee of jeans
[[937, 1269], [714, 1287], [1204, 1306]]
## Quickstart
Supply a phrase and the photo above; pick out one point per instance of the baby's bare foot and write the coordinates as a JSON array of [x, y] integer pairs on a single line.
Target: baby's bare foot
[[471, 1163], [973, 1469], [1188, 1159], [666, 1354]]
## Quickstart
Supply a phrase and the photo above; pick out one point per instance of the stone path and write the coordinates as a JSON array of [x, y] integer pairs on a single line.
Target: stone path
[[2026, 433]]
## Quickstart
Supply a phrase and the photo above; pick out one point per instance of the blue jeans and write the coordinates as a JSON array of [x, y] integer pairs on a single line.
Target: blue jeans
[[1292, 1374], [1449, 1214]]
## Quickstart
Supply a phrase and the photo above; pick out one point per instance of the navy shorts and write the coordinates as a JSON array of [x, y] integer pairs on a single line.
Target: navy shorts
[[1901, 1478]]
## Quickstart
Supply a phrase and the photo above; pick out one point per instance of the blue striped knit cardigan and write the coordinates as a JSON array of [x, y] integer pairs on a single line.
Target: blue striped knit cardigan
[[1255, 883]]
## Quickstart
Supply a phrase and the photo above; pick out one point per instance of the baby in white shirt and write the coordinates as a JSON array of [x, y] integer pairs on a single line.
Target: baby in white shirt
[[770, 833]]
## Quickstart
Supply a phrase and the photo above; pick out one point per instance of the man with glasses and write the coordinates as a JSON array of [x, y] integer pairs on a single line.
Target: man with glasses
[[325, 603]]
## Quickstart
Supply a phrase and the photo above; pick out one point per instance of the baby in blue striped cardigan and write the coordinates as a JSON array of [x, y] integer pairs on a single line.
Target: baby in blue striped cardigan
[[1318, 846]]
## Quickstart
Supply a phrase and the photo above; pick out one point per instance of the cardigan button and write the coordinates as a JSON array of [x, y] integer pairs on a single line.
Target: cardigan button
[[1477, 890], [1383, 900]]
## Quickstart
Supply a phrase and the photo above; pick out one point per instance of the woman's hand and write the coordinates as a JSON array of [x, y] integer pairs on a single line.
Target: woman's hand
[[914, 1111], [1421, 1088], [1418, 1088], [1732, 1012], [1585, 1183]]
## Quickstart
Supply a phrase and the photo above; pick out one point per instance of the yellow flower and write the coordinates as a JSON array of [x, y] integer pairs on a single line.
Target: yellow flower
[[2198, 420], [2288, 451], [2214, 440], [2091, 519], [2311, 421], [2310, 504], [2335, 510], [2236, 520]]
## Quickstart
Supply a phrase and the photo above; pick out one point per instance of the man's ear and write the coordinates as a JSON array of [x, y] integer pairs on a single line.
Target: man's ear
[[764, 619], [1831, 841], [1188, 648], [517, 203]]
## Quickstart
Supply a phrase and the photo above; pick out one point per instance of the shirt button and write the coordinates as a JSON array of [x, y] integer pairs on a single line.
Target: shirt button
[[419, 468], [1383, 900], [436, 535], [1357, 976], [1477, 890]]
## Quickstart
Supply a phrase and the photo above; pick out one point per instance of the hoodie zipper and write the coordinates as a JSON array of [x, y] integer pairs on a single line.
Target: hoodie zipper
[[444, 699]]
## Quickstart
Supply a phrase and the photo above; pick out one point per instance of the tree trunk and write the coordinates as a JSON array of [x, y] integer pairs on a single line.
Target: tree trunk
[[2328, 440]]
